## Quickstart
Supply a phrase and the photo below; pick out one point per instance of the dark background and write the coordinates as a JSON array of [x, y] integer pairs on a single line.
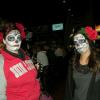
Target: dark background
[[39, 15], [38, 12]]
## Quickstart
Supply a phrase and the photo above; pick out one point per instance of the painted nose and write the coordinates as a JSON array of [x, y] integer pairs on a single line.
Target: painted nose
[[16, 41]]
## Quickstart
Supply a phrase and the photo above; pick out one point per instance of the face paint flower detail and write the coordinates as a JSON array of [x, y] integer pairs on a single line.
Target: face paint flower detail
[[81, 44], [13, 41]]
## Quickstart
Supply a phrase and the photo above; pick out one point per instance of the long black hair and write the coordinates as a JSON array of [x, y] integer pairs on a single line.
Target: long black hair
[[92, 58]]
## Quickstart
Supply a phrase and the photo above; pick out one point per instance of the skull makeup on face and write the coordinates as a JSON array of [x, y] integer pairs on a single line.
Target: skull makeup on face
[[81, 44], [13, 41]]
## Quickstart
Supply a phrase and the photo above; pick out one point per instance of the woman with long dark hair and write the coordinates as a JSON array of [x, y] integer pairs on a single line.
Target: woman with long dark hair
[[83, 77]]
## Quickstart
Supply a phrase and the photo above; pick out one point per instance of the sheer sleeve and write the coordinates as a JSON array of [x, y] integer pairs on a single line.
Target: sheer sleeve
[[2, 80]]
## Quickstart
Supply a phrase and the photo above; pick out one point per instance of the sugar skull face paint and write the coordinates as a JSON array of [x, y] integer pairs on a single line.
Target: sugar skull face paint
[[13, 41], [81, 44]]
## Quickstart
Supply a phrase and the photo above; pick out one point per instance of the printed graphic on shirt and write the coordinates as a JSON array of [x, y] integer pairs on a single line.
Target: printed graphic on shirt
[[21, 68]]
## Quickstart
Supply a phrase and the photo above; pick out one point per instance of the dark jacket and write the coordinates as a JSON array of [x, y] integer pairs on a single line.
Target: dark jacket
[[93, 91], [69, 84]]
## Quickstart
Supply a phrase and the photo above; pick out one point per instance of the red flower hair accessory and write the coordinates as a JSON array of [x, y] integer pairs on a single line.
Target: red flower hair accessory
[[91, 33], [1, 37], [21, 29]]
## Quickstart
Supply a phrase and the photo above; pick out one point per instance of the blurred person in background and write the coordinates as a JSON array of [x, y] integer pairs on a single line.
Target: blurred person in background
[[42, 59]]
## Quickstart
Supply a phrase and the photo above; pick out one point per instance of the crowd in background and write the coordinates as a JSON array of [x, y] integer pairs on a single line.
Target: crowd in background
[[53, 59]]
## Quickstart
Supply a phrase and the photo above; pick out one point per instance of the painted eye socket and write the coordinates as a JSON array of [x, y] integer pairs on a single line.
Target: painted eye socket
[[77, 43], [19, 38], [11, 38], [82, 41]]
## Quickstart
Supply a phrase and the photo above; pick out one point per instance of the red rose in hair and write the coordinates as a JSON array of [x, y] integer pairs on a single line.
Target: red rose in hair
[[21, 29], [91, 34], [1, 37]]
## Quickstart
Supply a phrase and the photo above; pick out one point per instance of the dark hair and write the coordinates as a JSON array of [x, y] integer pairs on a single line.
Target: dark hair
[[7, 27], [92, 59]]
